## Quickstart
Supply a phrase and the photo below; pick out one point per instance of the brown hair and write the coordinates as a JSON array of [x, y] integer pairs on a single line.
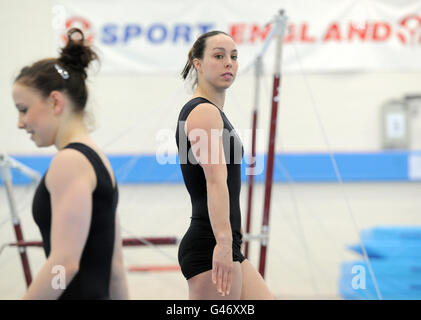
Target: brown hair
[[66, 73], [197, 50]]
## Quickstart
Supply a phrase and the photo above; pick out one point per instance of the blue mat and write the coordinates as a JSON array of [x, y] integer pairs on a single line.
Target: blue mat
[[380, 249], [395, 257]]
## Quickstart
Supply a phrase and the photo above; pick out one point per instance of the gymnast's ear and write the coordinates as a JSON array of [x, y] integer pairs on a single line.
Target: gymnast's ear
[[57, 101], [197, 64]]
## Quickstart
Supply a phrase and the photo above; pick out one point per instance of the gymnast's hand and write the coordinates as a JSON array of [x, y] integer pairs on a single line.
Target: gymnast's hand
[[222, 267]]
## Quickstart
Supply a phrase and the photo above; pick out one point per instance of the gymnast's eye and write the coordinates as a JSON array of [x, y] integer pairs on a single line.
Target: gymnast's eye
[[22, 109]]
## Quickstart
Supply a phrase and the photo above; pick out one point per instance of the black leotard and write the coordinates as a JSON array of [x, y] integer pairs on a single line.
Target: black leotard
[[196, 248], [92, 281]]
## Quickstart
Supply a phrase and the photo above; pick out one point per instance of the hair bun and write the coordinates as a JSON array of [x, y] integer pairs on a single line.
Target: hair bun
[[76, 54]]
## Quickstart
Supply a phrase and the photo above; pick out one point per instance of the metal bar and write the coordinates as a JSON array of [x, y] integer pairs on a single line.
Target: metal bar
[[7, 179], [280, 23], [252, 164], [127, 242]]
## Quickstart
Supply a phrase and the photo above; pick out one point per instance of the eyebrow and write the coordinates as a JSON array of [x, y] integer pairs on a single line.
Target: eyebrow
[[223, 49]]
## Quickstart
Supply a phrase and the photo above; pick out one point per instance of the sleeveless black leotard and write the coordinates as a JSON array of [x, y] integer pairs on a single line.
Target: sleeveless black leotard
[[92, 281], [196, 248]]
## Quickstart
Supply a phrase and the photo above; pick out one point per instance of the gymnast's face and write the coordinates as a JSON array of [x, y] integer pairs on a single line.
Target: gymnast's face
[[36, 115], [219, 63]]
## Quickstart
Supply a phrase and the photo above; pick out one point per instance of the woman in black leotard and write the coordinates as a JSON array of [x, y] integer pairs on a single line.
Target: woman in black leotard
[[75, 203], [210, 154]]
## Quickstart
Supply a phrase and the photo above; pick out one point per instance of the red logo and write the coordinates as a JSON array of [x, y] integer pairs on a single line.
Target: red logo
[[410, 32], [407, 30], [82, 24]]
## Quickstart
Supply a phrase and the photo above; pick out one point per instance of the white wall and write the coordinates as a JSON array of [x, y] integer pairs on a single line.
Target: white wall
[[129, 111]]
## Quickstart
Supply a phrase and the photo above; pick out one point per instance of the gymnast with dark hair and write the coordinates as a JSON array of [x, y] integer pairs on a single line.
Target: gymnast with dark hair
[[75, 203], [210, 154]]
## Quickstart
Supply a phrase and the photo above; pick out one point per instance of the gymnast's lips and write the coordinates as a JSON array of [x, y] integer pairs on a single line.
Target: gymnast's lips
[[227, 75]]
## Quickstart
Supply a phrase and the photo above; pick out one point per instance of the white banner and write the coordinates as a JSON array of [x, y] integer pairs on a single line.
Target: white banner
[[154, 36]]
